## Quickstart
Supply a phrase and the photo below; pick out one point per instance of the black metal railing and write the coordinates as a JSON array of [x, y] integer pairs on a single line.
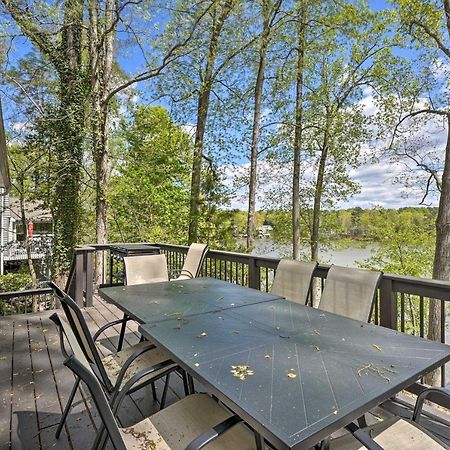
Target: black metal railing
[[27, 301]]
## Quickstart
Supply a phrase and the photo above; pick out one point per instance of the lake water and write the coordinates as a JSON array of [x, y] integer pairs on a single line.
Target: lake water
[[349, 256]]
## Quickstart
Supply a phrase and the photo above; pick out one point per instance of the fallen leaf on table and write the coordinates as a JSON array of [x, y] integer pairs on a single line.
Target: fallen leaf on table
[[241, 372]]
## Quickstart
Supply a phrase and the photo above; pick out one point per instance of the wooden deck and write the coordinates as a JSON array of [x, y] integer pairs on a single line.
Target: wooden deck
[[34, 386]]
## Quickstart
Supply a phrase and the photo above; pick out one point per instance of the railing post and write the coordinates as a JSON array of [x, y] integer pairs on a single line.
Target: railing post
[[388, 305], [89, 276], [254, 278], [78, 285]]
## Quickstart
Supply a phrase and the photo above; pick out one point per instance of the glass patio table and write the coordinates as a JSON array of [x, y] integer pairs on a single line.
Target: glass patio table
[[155, 302], [294, 373]]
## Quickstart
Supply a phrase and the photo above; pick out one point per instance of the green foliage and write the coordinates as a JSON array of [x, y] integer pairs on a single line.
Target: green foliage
[[149, 188], [405, 239], [14, 282]]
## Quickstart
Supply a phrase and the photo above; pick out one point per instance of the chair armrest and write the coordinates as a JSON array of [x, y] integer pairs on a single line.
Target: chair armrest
[[174, 273], [54, 318], [109, 324], [363, 437], [422, 397], [213, 433], [120, 394]]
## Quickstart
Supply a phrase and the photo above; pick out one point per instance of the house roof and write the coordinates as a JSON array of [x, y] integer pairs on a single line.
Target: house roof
[[4, 169], [33, 210]]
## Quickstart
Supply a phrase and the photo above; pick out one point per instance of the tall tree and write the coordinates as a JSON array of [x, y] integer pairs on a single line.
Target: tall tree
[[63, 49], [219, 14], [149, 188], [427, 24], [352, 56], [301, 21], [269, 13]]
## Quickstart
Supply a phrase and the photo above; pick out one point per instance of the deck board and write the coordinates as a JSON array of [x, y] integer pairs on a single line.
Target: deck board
[[35, 385], [24, 420], [6, 362]]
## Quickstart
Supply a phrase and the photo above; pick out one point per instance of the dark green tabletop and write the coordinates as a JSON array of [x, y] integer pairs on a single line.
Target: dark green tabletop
[[309, 372], [133, 249], [179, 299]]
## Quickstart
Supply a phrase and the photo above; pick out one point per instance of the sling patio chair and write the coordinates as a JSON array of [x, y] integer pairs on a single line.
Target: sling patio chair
[[293, 280], [192, 264], [192, 423], [118, 368], [145, 269], [394, 433], [350, 292]]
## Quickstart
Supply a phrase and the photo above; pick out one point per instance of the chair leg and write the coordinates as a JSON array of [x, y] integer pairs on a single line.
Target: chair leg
[[100, 438], [185, 383], [259, 440], [122, 333], [155, 398], [362, 423], [67, 408], [191, 384], [164, 395]]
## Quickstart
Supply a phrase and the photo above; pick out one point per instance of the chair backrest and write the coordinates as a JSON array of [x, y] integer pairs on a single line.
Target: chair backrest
[[145, 269], [65, 330], [81, 331], [293, 280], [350, 292], [193, 262], [87, 376]]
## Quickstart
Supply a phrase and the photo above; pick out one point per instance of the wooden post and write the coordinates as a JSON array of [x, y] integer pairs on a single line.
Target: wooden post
[[89, 276], [78, 285], [254, 279], [388, 305]]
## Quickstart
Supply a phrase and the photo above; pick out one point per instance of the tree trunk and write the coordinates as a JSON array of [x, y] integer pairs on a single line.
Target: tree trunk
[[101, 54], [259, 85], [314, 240], [298, 133], [441, 264], [202, 116], [70, 123]]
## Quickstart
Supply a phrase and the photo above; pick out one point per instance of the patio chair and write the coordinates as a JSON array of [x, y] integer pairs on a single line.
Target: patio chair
[[145, 269], [293, 280], [192, 264], [118, 368], [189, 424], [391, 434], [350, 292]]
